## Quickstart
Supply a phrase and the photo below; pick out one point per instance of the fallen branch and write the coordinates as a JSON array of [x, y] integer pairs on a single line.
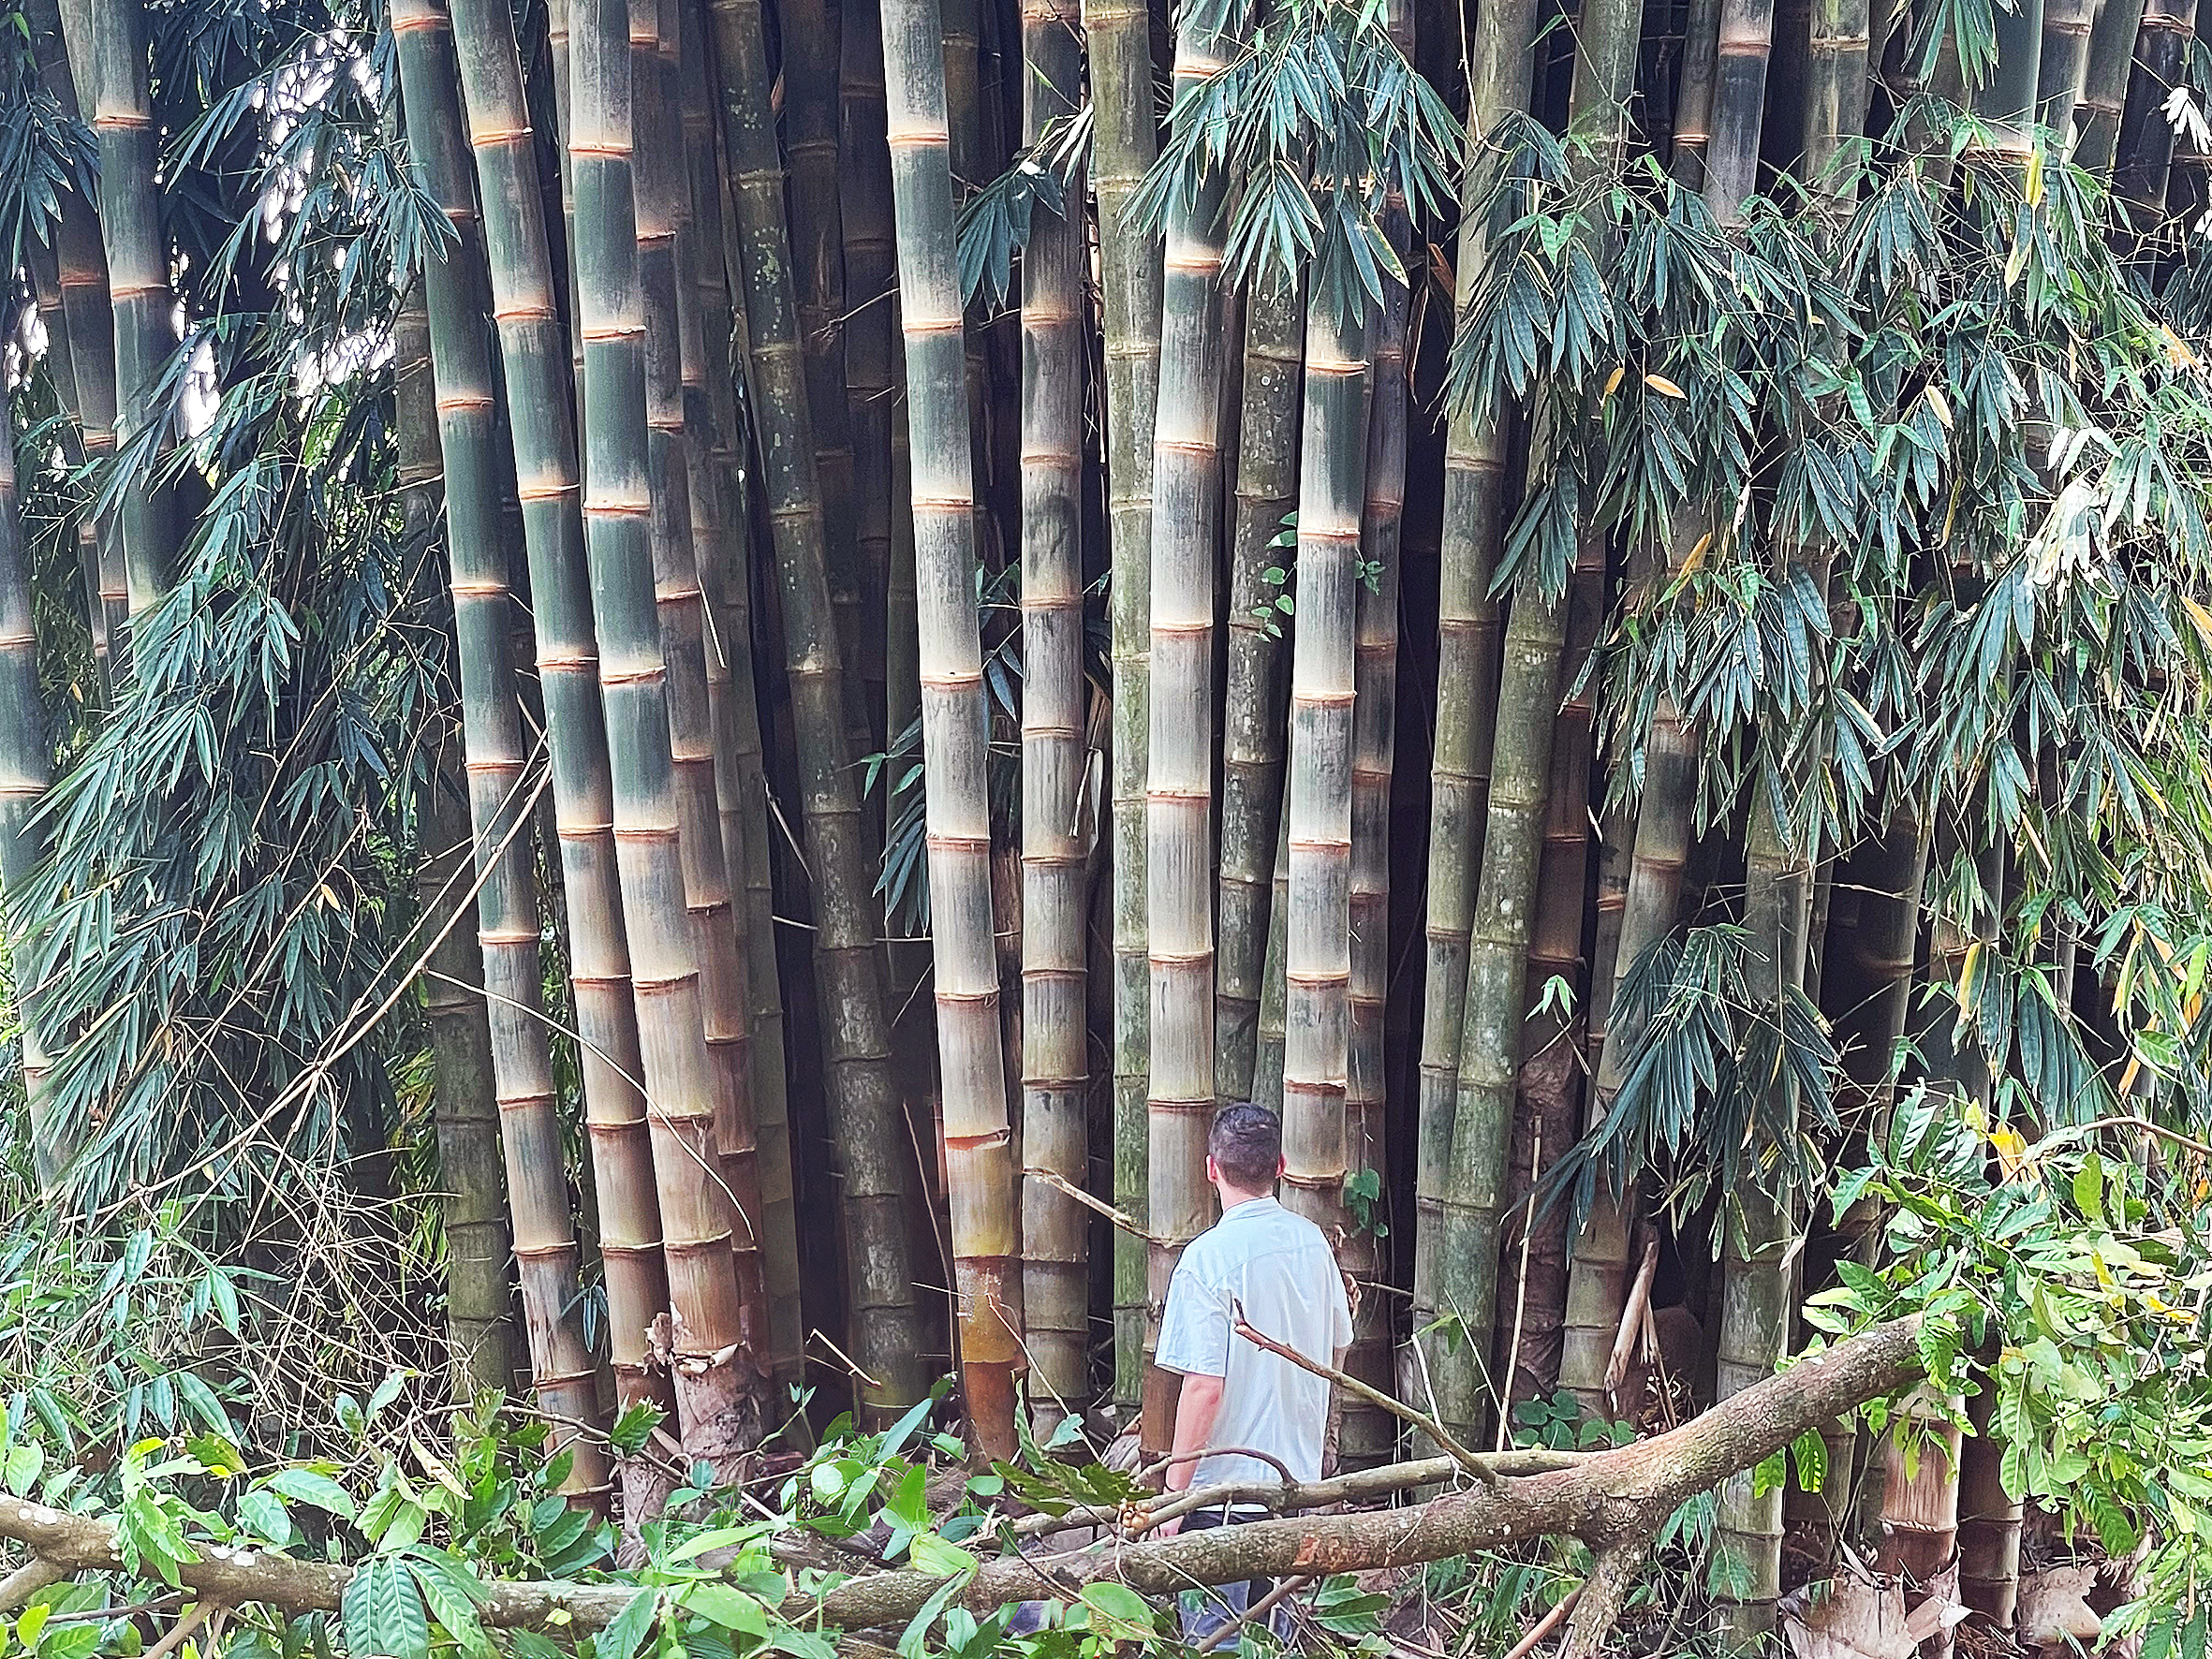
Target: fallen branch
[[1545, 1626], [1373, 1396], [1614, 1501]]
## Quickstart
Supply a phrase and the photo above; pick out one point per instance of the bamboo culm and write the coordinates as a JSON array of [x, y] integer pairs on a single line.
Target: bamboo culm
[[1055, 1290], [1125, 142], [1252, 712], [661, 188], [540, 378], [457, 290], [1179, 751], [865, 1109], [696, 1213]]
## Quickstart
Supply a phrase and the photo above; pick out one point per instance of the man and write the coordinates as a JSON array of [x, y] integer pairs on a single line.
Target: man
[[1279, 1269]]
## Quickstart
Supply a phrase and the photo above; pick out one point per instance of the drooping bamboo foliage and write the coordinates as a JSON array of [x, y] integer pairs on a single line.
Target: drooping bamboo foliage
[[1332, 467], [720, 536], [1126, 140], [662, 192], [1178, 885], [680, 1093], [1252, 711], [978, 1162], [457, 288], [1055, 759], [539, 376], [111, 62], [864, 1113], [1468, 670]]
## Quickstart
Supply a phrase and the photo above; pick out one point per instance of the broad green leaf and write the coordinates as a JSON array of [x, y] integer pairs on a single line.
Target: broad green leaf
[[308, 1486]]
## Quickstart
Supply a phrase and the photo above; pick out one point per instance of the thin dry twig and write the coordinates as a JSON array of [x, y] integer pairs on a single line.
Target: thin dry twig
[[1545, 1626], [1257, 1611]]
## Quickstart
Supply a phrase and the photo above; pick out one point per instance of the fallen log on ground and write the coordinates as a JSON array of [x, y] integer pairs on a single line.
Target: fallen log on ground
[[1614, 1501]]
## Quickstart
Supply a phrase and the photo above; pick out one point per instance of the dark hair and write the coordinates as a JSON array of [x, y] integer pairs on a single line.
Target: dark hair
[[1247, 1143]]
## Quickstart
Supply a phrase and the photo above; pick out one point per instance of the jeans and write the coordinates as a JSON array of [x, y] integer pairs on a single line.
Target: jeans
[[1208, 1610]]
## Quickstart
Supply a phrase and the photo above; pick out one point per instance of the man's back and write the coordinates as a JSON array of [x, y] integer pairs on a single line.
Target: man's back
[[1279, 1267]]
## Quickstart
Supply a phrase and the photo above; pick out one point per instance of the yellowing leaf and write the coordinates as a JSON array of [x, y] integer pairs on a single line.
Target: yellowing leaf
[[1664, 387], [1697, 554], [2201, 618], [1943, 409], [1614, 380], [2178, 351], [2012, 1150], [2035, 177], [1965, 988]]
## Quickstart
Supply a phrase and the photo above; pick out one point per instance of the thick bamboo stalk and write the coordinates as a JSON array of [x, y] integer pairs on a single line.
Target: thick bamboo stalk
[[1317, 936], [2145, 152], [1267, 1057], [1551, 1103], [1368, 1435], [1179, 771], [457, 290], [2063, 72], [112, 67], [1124, 140], [44, 266], [87, 311], [24, 770], [1055, 704], [1836, 105], [464, 1105], [1252, 712], [871, 338], [979, 1166], [1693, 94], [540, 378], [1739, 101], [464, 1111], [720, 535], [2105, 83], [865, 1111], [662, 195], [1468, 657], [696, 1213], [811, 115]]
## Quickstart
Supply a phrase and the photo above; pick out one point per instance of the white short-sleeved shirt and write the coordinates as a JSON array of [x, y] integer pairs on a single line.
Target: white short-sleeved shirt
[[1280, 1267]]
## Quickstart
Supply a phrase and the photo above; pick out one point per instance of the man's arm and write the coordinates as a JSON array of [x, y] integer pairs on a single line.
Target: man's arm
[[1196, 1408]]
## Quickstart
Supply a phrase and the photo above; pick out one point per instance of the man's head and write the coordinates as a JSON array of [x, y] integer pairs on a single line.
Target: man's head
[[1245, 1151]]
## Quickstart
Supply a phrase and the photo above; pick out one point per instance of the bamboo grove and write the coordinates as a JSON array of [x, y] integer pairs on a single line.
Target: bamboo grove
[[769, 644]]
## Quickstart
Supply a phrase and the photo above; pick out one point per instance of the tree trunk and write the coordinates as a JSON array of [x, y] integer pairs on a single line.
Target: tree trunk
[[1468, 706], [457, 288], [110, 59], [864, 1110], [539, 380], [1124, 140], [1055, 699], [2063, 73], [679, 1079], [2146, 150], [1252, 712], [979, 1166], [1179, 776], [871, 339]]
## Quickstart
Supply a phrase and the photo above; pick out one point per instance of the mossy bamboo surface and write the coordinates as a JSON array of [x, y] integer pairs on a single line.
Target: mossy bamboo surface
[[979, 1163], [662, 195], [111, 60], [721, 534], [864, 1110], [1179, 751], [1055, 705], [1468, 670], [1252, 711], [1267, 1053], [1124, 141], [696, 1214], [457, 291], [539, 380]]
